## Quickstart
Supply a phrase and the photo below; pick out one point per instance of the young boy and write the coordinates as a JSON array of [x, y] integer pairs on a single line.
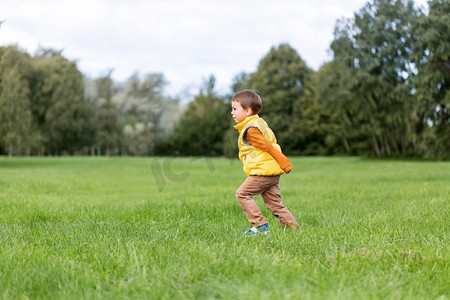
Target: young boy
[[263, 164]]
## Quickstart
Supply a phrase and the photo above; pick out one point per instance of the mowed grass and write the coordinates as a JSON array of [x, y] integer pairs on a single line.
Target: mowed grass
[[164, 228]]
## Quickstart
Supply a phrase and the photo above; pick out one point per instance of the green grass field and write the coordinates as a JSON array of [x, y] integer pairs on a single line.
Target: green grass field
[[107, 228]]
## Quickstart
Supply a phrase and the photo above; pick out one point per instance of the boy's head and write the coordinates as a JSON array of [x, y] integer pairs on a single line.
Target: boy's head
[[244, 104], [248, 99]]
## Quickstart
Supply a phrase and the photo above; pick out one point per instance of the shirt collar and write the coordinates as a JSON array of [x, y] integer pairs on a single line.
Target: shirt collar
[[240, 126]]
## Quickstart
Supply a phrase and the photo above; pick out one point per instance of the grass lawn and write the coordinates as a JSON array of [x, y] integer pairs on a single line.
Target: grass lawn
[[163, 228]]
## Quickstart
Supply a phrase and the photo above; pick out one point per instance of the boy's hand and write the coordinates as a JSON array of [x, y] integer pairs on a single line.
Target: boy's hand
[[287, 167]]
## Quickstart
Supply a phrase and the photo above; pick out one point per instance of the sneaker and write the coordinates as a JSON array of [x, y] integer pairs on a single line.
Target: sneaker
[[258, 229]]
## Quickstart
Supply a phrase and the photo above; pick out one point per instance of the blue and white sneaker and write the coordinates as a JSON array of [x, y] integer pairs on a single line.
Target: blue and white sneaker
[[264, 229]]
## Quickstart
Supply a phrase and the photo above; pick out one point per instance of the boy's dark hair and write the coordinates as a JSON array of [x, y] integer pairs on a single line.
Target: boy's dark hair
[[249, 98]]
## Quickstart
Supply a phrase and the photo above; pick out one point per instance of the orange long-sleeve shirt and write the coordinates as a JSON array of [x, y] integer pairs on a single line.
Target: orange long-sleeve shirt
[[255, 138]]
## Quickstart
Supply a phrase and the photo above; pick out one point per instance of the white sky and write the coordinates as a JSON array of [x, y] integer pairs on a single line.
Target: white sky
[[186, 40]]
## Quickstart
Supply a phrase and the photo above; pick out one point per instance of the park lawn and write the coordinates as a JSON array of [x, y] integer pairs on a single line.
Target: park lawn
[[165, 228]]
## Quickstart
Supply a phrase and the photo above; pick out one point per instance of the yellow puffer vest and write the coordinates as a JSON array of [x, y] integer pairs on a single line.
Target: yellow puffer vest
[[257, 162]]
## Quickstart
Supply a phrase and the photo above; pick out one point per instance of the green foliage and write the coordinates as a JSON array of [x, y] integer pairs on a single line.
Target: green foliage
[[100, 228], [314, 121], [385, 89], [16, 124], [339, 119], [230, 142], [201, 128], [240, 82], [59, 106], [280, 80], [385, 93], [142, 105], [49, 108], [109, 126], [432, 59], [376, 48]]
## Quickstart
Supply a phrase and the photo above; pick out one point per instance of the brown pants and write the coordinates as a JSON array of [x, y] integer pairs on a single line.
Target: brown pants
[[268, 187]]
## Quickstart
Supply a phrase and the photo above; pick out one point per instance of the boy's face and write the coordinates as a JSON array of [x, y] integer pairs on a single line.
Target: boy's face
[[239, 113]]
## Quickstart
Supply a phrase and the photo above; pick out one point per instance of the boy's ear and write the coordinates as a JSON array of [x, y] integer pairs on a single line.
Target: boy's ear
[[248, 111]]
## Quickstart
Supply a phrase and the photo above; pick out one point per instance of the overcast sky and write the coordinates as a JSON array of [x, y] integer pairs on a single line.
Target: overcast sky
[[186, 40]]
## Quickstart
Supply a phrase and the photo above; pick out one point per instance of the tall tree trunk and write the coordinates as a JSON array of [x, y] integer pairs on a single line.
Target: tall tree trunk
[[375, 145], [386, 143], [347, 147], [402, 143], [394, 143]]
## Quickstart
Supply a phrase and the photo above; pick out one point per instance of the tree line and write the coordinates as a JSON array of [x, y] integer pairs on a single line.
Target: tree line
[[47, 107], [383, 94]]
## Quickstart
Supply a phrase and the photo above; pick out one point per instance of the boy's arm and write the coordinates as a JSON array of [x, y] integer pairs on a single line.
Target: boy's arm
[[255, 138]]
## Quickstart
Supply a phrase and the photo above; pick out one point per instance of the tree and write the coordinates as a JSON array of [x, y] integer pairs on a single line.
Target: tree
[[59, 107], [201, 128], [109, 127], [16, 126], [335, 85], [432, 59], [142, 103], [280, 80], [377, 48], [240, 82]]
